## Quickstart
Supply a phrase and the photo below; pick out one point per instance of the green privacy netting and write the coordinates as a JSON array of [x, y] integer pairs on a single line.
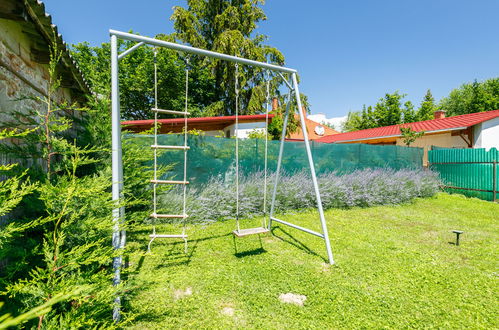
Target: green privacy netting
[[210, 157]]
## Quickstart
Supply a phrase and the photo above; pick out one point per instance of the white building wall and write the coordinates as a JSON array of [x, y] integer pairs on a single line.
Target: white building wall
[[445, 140], [214, 133], [244, 129], [486, 134], [477, 136]]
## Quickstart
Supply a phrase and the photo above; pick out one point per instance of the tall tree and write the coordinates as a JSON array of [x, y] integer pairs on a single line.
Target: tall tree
[[472, 97], [353, 122], [387, 111], [137, 78], [228, 26], [408, 113], [427, 108]]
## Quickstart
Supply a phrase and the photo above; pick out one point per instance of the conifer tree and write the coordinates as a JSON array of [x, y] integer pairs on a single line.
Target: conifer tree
[[229, 27], [427, 108], [65, 268]]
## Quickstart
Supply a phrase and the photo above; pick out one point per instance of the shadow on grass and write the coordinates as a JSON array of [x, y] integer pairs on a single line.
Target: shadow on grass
[[168, 254], [175, 255], [247, 253], [253, 252], [290, 239]]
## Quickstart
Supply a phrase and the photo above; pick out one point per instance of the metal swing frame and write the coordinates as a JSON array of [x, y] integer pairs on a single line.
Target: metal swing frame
[[119, 234]]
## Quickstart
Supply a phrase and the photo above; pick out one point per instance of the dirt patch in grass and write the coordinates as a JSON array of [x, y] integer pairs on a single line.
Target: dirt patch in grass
[[292, 298]]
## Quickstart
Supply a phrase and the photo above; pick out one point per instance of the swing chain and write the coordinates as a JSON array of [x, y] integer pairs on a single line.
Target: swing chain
[[237, 82], [264, 221], [236, 131]]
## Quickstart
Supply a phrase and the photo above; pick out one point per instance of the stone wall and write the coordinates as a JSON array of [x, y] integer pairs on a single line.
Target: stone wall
[[23, 81]]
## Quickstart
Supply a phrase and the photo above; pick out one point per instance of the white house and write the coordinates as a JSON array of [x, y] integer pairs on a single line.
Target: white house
[[486, 134]]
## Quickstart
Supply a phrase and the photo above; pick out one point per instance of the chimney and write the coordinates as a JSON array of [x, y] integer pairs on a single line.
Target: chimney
[[439, 114], [275, 103]]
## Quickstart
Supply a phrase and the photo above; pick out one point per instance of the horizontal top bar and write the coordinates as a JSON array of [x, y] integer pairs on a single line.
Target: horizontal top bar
[[198, 51], [453, 163]]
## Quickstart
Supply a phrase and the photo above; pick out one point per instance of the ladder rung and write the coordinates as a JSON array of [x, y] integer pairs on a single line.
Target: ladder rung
[[169, 182], [167, 236], [172, 112], [169, 216], [155, 146]]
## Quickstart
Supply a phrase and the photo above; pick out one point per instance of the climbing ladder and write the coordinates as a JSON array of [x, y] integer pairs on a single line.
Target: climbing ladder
[[155, 181]]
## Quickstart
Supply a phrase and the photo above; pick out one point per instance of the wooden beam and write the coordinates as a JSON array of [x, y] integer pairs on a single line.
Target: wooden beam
[[36, 10], [40, 56], [12, 10], [466, 135], [33, 34]]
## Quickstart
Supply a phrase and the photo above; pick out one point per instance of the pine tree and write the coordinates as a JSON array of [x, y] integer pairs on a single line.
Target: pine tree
[[65, 266], [427, 108], [12, 191], [229, 27]]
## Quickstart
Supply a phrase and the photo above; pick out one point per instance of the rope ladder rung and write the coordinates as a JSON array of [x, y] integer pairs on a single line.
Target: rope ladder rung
[[155, 146], [171, 112], [169, 182], [168, 216]]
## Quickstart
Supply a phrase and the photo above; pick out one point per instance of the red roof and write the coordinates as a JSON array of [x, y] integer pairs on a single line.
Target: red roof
[[148, 122], [312, 135], [429, 126]]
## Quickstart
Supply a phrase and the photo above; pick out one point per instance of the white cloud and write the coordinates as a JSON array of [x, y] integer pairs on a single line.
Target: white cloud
[[337, 122]]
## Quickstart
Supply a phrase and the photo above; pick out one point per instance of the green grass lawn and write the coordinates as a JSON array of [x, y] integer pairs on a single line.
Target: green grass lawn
[[395, 268]]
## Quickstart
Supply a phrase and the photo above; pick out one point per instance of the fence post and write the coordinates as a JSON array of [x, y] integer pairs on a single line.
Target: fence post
[[494, 180]]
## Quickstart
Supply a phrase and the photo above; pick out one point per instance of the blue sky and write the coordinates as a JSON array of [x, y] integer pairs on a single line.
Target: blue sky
[[348, 53]]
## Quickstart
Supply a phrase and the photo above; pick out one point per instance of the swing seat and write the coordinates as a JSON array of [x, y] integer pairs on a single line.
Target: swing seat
[[250, 231]]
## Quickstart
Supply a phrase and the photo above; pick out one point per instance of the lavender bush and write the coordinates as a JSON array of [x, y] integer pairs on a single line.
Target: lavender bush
[[363, 188]]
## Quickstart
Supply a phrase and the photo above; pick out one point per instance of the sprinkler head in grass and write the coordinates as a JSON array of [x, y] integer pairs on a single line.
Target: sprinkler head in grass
[[457, 232]]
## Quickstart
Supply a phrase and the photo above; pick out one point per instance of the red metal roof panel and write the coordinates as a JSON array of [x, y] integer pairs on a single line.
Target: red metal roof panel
[[442, 124], [148, 122]]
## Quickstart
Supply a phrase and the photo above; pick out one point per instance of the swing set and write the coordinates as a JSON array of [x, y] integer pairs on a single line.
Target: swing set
[[119, 234]]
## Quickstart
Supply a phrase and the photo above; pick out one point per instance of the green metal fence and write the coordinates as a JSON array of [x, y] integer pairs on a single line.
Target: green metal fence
[[210, 157], [471, 172]]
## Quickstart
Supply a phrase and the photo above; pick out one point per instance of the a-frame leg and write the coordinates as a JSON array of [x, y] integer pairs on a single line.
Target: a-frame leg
[[279, 158], [324, 234]]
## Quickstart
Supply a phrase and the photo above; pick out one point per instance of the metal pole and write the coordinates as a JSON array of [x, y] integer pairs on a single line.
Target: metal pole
[[198, 51], [312, 170], [117, 171], [298, 227], [285, 80], [129, 50], [279, 159]]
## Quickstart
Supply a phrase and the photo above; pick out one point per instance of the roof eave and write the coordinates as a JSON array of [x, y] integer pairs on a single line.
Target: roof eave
[[43, 21], [400, 135]]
